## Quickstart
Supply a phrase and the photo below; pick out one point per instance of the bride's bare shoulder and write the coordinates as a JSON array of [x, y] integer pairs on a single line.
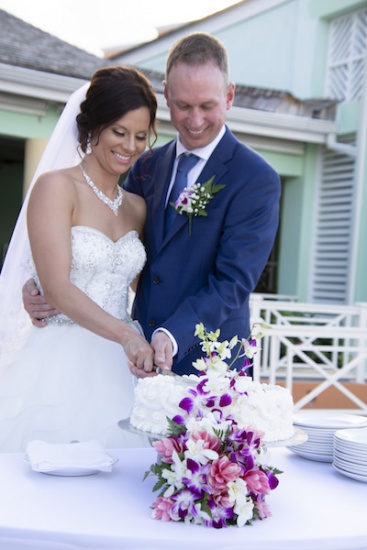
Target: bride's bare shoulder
[[63, 179], [135, 208], [135, 201]]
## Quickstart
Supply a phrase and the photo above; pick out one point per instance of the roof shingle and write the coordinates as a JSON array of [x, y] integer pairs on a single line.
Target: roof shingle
[[23, 45]]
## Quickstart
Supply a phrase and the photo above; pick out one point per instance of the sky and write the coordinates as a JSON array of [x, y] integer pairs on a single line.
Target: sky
[[94, 25]]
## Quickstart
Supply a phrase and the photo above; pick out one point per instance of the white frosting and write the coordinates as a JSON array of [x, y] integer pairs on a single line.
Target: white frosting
[[156, 399], [268, 408], [265, 407]]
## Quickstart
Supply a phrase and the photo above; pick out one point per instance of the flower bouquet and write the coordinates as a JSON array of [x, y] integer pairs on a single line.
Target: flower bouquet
[[210, 471]]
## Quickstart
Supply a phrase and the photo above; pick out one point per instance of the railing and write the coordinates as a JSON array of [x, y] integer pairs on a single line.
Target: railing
[[324, 343]]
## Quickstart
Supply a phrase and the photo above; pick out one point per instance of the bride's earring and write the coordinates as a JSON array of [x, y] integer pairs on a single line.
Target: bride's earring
[[88, 149]]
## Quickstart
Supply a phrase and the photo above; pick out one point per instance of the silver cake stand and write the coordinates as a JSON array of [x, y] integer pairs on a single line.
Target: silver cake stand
[[298, 437]]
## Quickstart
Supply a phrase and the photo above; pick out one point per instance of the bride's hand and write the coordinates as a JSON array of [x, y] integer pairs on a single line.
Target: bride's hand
[[139, 352], [140, 373], [35, 304]]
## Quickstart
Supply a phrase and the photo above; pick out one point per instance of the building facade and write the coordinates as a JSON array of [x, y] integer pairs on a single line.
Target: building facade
[[315, 50], [301, 101]]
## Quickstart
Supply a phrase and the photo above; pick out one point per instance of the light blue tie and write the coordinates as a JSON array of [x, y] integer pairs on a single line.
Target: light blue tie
[[185, 163]]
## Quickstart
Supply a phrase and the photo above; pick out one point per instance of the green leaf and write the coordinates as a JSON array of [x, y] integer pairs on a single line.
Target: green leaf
[[217, 188], [205, 507], [160, 483], [174, 428]]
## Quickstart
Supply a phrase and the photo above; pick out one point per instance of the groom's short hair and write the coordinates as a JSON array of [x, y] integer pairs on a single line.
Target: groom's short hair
[[197, 49]]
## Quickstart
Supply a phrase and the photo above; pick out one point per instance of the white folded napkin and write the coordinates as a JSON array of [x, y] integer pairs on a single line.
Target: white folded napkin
[[47, 457]]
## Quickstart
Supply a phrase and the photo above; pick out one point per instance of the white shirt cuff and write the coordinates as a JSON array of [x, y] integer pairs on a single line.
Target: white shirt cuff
[[173, 340]]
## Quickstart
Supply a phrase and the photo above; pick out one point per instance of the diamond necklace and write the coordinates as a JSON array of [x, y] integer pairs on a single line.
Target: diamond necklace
[[113, 204]]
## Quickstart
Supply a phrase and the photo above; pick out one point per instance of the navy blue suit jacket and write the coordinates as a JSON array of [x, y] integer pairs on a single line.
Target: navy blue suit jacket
[[206, 276]]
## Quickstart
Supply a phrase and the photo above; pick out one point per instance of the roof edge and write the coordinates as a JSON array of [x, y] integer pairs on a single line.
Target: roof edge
[[32, 83]]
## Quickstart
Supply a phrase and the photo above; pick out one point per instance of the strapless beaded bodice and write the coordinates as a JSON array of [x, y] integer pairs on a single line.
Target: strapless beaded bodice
[[104, 269]]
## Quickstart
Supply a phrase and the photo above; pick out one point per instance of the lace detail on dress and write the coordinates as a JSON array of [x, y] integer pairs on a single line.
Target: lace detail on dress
[[104, 269]]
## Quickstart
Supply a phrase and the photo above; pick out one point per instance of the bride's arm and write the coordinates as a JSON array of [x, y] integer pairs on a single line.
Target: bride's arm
[[50, 211]]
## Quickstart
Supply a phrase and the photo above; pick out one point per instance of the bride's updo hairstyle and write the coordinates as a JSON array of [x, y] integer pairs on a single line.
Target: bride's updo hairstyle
[[113, 92]]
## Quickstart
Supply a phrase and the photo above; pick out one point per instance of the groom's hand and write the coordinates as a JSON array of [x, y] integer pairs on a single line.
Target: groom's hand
[[163, 350], [35, 304]]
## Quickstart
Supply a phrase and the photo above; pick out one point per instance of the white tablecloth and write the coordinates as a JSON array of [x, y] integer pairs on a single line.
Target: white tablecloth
[[314, 507]]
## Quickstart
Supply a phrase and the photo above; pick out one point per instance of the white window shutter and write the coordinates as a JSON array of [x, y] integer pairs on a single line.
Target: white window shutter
[[333, 229], [346, 56]]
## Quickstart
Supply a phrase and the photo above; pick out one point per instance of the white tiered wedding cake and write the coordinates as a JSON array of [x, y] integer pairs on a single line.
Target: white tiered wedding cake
[[265, 407]]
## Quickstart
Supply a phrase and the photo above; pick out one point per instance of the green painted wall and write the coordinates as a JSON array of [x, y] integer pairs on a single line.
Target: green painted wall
[[286, 164], [291, 213], [297, 213], [348, 117], [22, 125], [333, 8], [282, 48]]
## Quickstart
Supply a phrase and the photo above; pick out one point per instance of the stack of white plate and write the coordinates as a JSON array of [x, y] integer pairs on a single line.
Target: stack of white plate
[[320, 426], [350, 453]]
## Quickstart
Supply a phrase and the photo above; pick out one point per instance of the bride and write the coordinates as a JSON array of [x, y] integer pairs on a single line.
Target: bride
[[71, 380]]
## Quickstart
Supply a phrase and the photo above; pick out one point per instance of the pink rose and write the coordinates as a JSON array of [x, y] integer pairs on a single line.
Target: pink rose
[[165, 448], [257, 481], [210, 441], [222, 471], [263, 509], [223, 500], [162, 509]]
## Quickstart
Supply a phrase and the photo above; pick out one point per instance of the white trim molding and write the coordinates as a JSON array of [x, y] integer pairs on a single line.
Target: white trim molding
[[37, 84]]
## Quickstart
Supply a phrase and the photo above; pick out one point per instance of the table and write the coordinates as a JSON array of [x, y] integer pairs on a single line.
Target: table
[[314, 507]]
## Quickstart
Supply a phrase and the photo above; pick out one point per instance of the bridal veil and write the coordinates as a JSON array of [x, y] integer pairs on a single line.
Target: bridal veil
[[61, 151]]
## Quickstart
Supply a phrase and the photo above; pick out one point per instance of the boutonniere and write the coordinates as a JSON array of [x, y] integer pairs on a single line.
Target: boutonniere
[[193, 199]]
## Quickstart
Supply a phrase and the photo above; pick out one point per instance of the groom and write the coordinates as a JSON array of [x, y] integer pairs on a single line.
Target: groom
[[203, 270], [200, 270]]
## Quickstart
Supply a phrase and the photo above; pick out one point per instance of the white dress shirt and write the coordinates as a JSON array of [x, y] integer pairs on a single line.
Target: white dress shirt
[[203, 153]]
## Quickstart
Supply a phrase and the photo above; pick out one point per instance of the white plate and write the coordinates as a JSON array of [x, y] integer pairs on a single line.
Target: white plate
[[351, 474], [349, 467], [350, 457], [71, 471], [323, 434], [317, 449], [324, 419], [356, 436], [310, 455], [350, 449], [357, 454], [319, 438]]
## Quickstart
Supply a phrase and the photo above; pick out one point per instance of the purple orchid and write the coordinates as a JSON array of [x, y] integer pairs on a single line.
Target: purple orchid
[[219, 515], [184, 504], [198, 480]]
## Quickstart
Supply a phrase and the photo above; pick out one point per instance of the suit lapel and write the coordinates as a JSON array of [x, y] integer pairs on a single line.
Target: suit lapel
[[163, 171], [215, 166]]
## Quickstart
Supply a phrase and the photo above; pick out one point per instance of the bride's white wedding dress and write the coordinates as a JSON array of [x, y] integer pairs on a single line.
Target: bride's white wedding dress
[[67, 383]]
